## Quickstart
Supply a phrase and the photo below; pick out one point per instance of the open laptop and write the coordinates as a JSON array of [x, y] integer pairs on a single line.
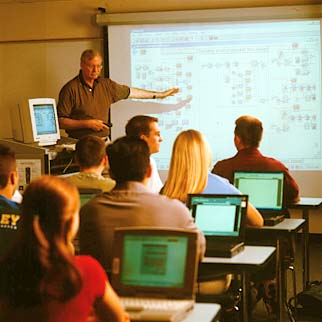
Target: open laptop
[[86, 194], [222, 220], [265, 191], [154, 272]]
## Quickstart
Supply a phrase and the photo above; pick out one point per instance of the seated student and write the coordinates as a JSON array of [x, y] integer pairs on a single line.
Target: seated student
[[91, 156], [9, 210], [189, 172], [147, 128], [40, 279], [130, 203], [248, 135]]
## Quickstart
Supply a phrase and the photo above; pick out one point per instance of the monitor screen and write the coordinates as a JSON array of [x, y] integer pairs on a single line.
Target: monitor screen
[[218, 215], [154, 260], [44, 120], [265, 189]]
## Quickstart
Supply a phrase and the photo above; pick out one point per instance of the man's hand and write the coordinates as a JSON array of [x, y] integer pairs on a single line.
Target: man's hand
[[169, 92], [146, 94], [96, 125]]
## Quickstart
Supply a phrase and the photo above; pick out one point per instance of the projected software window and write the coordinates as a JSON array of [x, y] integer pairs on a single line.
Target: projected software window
[[271, 70]]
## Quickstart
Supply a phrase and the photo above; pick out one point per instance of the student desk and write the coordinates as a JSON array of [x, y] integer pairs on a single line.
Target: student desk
[[306, 204], [250, 258], [204, 312], [283, 230]]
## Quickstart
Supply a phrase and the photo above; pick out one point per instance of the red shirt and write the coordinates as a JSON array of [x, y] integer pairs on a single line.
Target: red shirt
[[79, 308]]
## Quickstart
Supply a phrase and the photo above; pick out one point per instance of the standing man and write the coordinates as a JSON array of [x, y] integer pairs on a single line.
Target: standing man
[[9, 210], [129, 203], [84, 101], [147, 128], [248, 135]]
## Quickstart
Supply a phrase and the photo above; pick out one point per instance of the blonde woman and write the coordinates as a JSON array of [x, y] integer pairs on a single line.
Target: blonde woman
[[189, 172]]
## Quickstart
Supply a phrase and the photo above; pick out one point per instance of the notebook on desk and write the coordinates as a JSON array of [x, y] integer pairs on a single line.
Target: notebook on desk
[[265, 191], [154, 272], [222, 220]]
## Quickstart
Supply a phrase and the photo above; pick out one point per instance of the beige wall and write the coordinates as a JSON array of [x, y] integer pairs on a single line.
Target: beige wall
[[40, 45]]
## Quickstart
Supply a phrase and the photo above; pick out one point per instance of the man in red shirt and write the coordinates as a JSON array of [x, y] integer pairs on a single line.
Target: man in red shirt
[[248, 135]]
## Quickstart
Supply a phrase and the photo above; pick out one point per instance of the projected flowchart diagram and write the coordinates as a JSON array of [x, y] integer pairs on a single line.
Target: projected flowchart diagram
[[272, 73]]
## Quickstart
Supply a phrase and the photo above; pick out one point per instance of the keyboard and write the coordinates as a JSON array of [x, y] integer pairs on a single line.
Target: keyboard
[[137, 304], [66, 143], [151, 310]]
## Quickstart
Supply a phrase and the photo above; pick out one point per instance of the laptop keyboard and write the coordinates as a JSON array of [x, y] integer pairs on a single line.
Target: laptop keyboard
[[139, 304]]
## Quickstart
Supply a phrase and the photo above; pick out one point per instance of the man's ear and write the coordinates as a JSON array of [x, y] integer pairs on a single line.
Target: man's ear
[[104, 161], [149, 172], [237, 140], [13, 177], [143, 137]]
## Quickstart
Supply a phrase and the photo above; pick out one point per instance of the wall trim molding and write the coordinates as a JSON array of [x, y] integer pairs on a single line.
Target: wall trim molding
[[211, 15]]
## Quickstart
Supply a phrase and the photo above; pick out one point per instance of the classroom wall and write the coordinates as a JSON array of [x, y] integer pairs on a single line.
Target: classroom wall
[[41, 41], [40, 45]]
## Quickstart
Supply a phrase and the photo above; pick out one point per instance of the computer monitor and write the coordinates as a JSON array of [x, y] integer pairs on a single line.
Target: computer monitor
[[265, 188], [36, 120]]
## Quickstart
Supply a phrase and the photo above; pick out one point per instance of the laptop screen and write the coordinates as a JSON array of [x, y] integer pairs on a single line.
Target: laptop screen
[[86, 194], [265, 189], [218, 215], [154, 260], [150, 260]]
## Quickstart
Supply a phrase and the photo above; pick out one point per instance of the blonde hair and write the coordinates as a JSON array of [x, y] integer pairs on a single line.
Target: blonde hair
[[189, 166]]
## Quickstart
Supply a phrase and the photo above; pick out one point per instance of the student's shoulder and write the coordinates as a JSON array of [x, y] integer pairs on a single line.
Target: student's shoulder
[[215, 179], [218, 184], [275, 164], [163, 201], [223, 164], [91, 270]]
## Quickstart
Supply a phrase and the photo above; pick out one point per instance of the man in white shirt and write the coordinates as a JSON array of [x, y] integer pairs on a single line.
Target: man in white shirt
[[147, 128]]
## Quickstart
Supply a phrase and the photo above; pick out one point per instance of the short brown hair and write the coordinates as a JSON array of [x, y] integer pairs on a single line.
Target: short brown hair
[[90, 151], [7, 164], [139, 124], [129, 159], [250, 130]]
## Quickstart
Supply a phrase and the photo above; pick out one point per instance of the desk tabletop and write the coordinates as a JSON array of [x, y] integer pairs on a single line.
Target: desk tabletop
[[287, 225], [306, 202], [205, 312], [250, 256]]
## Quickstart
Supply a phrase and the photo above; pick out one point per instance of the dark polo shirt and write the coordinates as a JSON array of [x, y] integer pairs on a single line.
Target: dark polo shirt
[[79, 101], [10, 223]]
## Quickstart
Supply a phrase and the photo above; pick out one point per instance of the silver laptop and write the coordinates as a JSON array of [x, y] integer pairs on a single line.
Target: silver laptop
[[222, 220], [265, 191], [154, 272]]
